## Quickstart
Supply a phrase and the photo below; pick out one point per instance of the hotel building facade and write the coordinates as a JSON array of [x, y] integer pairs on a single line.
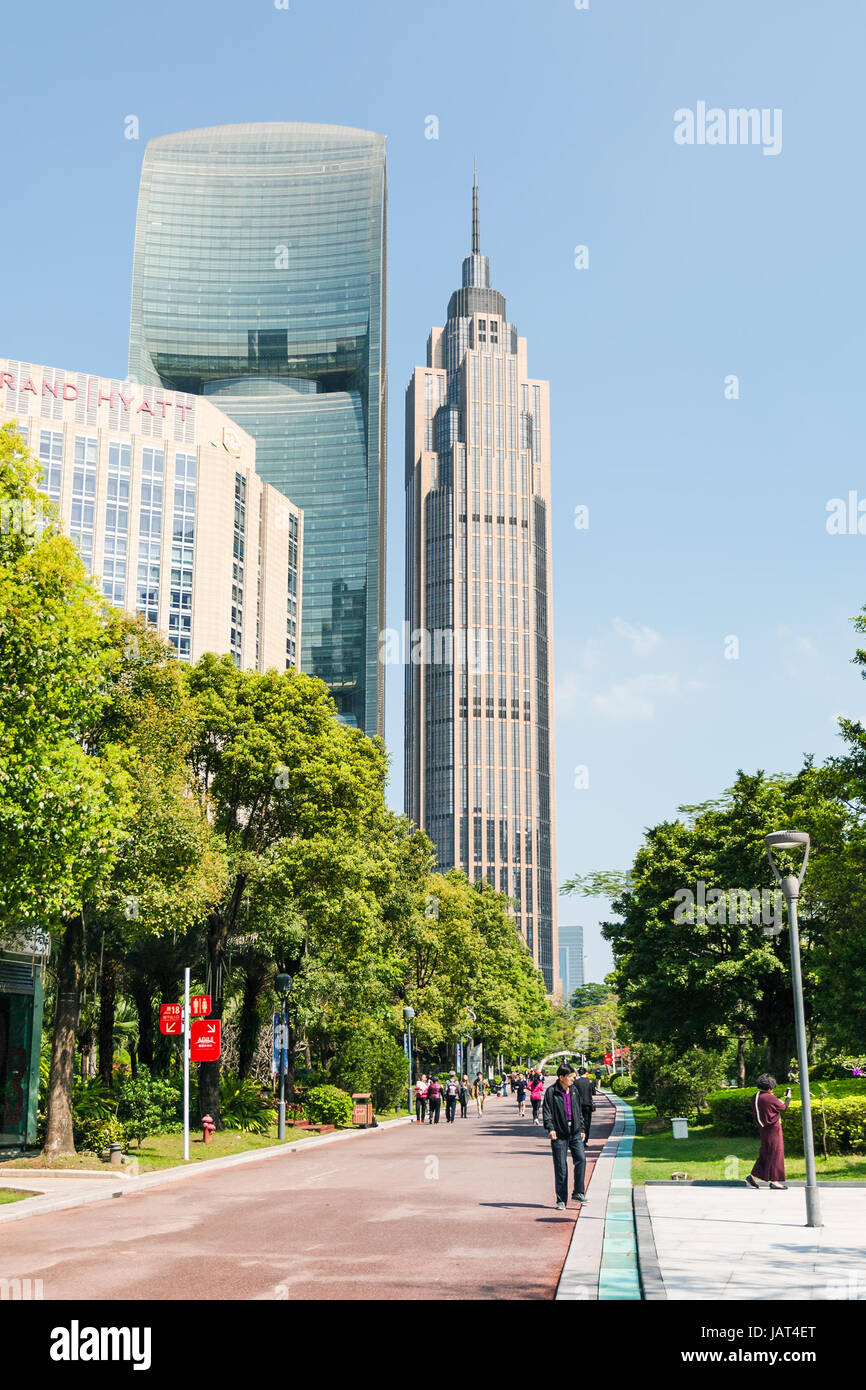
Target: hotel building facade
[[259, 283], [159, 491], [479, 746]]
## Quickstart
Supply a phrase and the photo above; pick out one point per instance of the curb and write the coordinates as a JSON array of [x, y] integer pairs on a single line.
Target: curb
[[12, 1211], [649, 1271]]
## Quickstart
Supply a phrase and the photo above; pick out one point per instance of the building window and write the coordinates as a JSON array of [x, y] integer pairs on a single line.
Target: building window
[[84, 497], [237, 616], [150, 533], [182, 555], [51, 458], [116, 544]]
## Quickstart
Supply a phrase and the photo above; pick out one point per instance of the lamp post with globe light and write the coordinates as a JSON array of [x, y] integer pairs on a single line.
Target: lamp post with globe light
[[790, 886], [283, 985]]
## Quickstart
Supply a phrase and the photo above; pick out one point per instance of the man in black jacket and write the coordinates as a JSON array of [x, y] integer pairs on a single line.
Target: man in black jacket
[[563, 1122], [585, 1087]]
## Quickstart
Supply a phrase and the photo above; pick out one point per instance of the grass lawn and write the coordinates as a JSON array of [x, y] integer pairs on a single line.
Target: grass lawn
[[706, 1154], [7, 1195], [166, 1150]]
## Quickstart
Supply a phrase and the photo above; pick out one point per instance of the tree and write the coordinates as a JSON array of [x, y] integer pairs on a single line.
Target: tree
[[166, 869], [64, 805], [585, 996], [298, 799], [694, 975]]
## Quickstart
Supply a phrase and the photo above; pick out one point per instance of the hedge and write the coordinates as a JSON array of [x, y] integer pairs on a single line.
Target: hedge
[[622, 1085], [845, 1117]]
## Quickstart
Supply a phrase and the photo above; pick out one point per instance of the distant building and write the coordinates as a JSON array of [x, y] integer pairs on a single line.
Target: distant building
[[572, 969], [159, 492], [479, 726]]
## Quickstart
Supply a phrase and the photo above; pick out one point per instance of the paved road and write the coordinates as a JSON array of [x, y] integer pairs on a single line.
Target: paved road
[[457, 1211]]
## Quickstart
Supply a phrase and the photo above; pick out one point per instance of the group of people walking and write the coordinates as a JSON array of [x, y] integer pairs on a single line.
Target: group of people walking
[[430, 1092]]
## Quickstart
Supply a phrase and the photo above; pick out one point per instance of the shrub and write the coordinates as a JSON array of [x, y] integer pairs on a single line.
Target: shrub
[[838, 1068], [92, 1105], [147, 1105], [844, 1108], [328, 1105], [97, 1135], [622, 1085], [731, 1111], [377, 1065], [241, 1105], [676, 1085], [845, 1119]]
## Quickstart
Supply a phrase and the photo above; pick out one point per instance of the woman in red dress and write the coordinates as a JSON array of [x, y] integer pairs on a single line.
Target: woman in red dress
[[768, 1111]]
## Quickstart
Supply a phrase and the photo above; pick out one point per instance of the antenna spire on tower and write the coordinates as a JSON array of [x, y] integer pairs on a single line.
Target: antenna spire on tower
[[476, 235]]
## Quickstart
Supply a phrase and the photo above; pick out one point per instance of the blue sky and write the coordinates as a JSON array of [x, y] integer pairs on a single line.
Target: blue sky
[[706, 515]]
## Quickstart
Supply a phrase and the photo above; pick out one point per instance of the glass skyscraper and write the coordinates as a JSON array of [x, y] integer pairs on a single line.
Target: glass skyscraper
[[479, 759], [259, 282]]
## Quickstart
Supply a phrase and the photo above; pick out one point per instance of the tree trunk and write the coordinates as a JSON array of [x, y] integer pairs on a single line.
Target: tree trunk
[[250, 1022], [107, 1009], [133, 1058], [780, 1049], [58, 1137], [141, 994], [741, 1060]]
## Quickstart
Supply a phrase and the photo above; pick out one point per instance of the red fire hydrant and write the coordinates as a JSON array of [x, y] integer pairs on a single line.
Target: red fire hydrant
[[207, 1128]]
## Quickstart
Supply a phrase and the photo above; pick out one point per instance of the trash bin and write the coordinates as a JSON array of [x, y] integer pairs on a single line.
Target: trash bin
[[680, 1127], [362, 1109]]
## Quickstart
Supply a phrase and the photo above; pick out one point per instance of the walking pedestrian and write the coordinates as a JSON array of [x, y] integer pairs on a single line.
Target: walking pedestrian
[[585, 1087], [422, 1087], [563, 1120], [434, 1099], [768, 1111], [463, 1096], [452, 1089], [536, 1095], [478, 1093], [520, 1087]]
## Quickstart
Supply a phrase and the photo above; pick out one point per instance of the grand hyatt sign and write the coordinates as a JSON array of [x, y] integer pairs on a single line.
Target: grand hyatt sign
[[70, 391]]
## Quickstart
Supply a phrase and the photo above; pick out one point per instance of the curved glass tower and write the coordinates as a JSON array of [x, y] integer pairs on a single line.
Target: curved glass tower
[[259, 281]]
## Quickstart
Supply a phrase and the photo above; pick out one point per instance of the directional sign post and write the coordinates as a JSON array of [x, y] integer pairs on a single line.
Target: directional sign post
[[186, 1064], [206, 1043]]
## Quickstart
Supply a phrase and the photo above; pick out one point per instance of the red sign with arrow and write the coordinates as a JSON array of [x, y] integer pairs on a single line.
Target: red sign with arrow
[[170, 1018], [205, 1039]]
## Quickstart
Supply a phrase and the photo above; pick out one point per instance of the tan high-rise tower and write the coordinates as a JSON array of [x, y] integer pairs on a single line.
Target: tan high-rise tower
[[479, 726]]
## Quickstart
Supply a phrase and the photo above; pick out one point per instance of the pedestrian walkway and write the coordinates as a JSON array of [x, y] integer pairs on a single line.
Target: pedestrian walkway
[[463, 1212], [725, 1241]]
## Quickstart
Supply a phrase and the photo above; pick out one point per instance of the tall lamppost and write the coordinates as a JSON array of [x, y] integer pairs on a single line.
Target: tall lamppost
[[471, 1038], [283, 985], [408, 1015], [790, 886]]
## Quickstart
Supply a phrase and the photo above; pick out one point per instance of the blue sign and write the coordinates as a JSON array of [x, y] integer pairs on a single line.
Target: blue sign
[[281, 1046], [460, 1059]]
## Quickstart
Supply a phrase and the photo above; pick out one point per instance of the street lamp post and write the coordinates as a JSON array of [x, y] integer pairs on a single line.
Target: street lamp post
[[474, 1018], [790, 886], [283, 984], [408, 1015]]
